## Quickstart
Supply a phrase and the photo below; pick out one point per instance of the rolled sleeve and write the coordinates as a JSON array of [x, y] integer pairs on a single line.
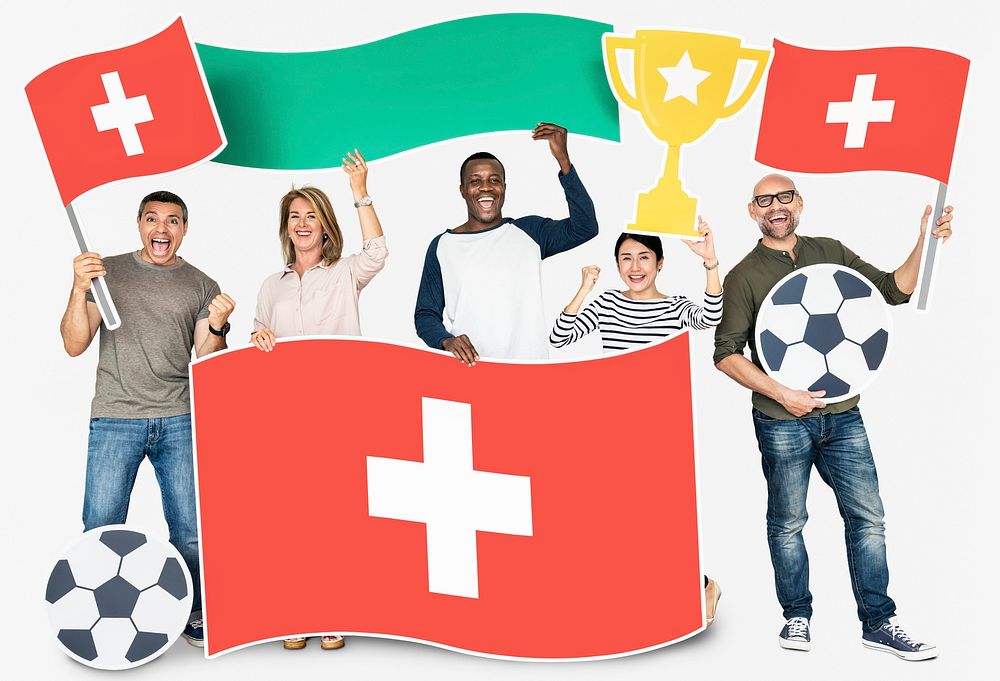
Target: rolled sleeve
[[733, 332], [369, 262]]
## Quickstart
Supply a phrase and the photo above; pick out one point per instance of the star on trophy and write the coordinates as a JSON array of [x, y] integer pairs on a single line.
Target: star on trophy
[[682, 83]]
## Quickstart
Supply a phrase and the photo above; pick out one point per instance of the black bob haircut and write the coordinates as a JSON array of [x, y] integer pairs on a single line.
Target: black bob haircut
[[653, 243]]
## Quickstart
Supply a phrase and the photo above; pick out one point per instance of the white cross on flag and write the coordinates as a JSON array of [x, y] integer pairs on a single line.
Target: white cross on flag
[[517, 510], [138, 110]]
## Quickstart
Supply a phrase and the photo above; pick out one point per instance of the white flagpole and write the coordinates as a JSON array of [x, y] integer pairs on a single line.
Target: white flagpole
[[97, 286], [930, 251]]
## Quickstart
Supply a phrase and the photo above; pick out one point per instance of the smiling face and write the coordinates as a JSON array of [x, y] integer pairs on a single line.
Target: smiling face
[[304, 227], [161, 228], [638, 266], [779, 220], [483, 189]]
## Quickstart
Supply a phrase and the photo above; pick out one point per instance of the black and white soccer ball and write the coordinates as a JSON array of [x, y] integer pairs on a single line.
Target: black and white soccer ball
[[824, 327], [118, 598]]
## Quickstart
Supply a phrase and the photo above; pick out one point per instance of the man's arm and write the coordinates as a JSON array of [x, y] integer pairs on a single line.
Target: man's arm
[[556, 236], [206, 342], [746, 373], [906, 274], [732, 335], [81, 319]]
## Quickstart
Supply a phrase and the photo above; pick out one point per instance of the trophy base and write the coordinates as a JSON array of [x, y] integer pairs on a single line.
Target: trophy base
[[663, 213]]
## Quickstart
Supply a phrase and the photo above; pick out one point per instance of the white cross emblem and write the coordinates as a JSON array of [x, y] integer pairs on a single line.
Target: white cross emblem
[[450, 497], [122, 113], [860, 111]]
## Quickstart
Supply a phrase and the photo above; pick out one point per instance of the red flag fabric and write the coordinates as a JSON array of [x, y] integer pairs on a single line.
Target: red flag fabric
[[523, 510], [138, 110], [887, 108]]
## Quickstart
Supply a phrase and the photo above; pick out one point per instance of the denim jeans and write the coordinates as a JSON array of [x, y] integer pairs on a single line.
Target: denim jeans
[[115, 449], [837, 445]]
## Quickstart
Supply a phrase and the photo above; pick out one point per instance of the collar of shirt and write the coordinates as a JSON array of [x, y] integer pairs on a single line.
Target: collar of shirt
[[322, 264]]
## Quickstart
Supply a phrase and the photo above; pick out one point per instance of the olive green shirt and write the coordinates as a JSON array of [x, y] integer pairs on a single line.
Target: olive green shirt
[[752, 279]]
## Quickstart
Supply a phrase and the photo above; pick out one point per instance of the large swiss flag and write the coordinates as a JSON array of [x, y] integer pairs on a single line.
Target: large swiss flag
[[138, 110], [527, 510], [886, 108]]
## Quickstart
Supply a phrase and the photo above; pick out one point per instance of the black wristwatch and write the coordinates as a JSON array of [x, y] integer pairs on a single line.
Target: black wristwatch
[[220, 332]]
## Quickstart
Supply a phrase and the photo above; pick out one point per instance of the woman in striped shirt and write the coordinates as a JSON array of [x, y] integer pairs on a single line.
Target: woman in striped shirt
[[641, 314]]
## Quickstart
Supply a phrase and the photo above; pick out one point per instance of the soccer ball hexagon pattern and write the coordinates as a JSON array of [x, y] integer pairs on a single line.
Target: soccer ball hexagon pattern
[[118, 598], [823, 327]]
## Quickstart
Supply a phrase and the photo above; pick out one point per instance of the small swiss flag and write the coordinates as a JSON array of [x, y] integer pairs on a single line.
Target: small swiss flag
[[543, 510], [886, 108], [138, 110]]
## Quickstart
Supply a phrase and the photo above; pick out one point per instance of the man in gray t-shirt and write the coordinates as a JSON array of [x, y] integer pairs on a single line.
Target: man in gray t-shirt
[[141, 407]]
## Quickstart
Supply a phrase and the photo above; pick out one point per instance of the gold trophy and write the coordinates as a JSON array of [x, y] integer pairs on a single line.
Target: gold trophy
[[682, 82]]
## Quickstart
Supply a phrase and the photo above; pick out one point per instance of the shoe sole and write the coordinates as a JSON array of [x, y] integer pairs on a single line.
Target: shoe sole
[[789, 644], [193, 641], [332, 646], [917, 656]]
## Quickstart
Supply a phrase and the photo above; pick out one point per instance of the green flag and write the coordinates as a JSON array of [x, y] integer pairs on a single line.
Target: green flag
[[303, 111]]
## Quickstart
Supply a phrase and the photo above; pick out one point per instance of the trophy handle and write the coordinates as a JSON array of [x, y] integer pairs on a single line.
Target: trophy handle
[[761, 57], [612, 43]]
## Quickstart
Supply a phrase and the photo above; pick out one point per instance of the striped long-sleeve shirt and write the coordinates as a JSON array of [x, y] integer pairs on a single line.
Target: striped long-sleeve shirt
[[626, 323]]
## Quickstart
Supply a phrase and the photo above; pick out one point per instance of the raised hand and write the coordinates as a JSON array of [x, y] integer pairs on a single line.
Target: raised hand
[[590, 276], [87, 267], [943, 229], [705, 248], [556, 136], [219, 310], [357, 169]]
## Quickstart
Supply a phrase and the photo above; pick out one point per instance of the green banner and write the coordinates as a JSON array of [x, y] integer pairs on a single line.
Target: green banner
[[302, 111]]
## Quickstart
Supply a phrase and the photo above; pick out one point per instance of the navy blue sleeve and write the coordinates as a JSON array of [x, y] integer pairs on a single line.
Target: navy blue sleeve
[[556, 236], [430, 301]]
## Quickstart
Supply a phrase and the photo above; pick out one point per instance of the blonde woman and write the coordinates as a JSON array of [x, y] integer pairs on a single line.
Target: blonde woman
[[318, 290]]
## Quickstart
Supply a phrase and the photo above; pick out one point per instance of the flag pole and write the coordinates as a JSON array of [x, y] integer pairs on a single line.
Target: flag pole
[[930, 251], [97, 285]]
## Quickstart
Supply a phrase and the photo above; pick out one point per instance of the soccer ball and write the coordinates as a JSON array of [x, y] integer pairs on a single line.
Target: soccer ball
[[118, 598], [823, 327]]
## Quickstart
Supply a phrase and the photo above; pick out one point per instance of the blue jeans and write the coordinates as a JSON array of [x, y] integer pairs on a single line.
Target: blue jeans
[[115, 449], [837, 445]]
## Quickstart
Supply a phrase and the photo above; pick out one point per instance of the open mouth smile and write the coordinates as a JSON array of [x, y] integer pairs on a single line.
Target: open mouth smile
[[160, 247]]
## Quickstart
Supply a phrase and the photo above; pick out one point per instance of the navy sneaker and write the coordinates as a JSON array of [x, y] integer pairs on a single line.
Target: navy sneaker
[[795, 634], [891, 638], [194, 632]]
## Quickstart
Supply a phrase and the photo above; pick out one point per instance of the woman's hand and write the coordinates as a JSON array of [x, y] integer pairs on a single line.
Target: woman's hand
[[590, 276], [706, 247], [263, 339], [357, 170]]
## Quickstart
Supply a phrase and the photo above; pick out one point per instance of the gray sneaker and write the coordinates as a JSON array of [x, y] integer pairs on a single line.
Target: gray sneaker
[[795, 634], [891, 638]]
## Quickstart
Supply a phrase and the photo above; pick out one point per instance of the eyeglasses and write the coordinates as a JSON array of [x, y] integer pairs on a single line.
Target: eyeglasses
[[765, 200]]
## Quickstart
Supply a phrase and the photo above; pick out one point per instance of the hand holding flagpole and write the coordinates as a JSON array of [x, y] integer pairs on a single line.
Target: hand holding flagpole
[[99, 287]]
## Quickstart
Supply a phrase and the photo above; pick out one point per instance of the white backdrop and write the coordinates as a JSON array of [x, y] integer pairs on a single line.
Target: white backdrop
[[927, 415]]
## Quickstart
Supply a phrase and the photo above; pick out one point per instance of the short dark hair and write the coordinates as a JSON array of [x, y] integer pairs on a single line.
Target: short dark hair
[[164, 197], [479, 156], [653, 243]]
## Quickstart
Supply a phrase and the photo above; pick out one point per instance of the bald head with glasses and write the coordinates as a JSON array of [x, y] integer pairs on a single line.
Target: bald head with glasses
[[776, 206]]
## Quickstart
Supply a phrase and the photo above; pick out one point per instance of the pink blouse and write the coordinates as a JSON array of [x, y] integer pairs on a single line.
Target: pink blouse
[[325, 300]]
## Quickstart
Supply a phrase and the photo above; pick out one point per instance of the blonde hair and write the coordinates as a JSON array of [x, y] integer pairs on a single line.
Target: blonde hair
[[333, 241]]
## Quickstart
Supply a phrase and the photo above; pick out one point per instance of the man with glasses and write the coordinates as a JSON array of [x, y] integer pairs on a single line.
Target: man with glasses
[[796, 429]]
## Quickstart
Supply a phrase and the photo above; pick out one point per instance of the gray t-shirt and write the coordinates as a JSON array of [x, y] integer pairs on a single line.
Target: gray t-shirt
[[142, 371]]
